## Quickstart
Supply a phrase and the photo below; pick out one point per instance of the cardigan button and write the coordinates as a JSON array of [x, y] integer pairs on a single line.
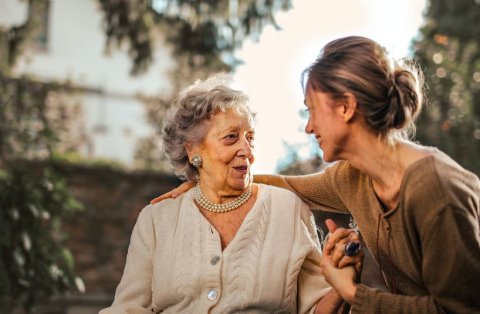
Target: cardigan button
[[212, 294], [215, 260]]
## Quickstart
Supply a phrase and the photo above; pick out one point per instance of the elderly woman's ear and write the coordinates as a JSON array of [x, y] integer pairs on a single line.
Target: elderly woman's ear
[[192, 150], [194, 157]]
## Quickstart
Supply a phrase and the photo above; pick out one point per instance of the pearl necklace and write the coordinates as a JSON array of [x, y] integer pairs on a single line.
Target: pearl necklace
[[220, 208]]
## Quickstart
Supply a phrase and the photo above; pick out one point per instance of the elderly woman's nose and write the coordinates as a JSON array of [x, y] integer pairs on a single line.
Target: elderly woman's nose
[[245, 149]]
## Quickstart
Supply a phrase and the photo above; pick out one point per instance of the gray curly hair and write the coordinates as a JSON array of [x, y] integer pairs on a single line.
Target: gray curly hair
[[188, 119]]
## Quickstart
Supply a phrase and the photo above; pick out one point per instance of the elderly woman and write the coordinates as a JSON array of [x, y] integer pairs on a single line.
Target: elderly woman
[[227, 245]]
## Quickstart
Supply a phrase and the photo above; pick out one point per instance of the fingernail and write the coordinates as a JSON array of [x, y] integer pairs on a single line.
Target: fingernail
[[174, 195]]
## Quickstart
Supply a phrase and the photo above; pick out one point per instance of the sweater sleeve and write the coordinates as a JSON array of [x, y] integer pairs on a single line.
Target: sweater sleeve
[[318, 190], [452, 249], [450, 267], [312, 285], [134, 293]]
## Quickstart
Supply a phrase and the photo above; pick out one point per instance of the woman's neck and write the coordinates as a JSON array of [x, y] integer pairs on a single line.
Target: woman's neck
[[385, 165], [219, 194]]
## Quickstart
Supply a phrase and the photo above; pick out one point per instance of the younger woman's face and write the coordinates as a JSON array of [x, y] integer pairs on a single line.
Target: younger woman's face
[[326, 123]]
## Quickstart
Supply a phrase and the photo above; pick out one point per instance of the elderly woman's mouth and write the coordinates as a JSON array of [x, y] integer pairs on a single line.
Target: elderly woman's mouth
[[242, 169]]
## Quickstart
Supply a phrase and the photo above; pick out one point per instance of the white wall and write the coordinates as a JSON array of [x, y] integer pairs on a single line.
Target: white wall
[[76, 52], [12, 13]]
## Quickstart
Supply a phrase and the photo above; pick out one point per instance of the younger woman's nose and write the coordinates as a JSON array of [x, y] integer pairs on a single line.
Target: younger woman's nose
[[308, 128]]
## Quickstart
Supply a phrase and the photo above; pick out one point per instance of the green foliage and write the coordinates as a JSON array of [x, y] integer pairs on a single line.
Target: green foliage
[[73, 157], [13, 40], [30, 121], [33, 263], [202, 30], [457, 19], [449, 51]]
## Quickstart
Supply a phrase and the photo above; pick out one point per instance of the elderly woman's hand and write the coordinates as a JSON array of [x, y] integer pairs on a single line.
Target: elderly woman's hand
[[342, 280], [182, 188], [335, 244]]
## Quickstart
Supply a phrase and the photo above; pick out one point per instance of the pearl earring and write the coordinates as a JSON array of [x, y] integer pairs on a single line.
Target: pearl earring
[[196, 161]]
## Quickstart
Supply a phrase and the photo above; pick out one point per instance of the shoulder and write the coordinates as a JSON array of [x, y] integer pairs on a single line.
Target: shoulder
[[166, 209], [344, 175], [440, 173], [279, 195], [286, 202], [451, 174], [438, 182]]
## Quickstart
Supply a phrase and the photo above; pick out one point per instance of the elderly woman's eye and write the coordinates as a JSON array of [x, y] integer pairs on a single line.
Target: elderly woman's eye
[[251, 140], [231, 138]]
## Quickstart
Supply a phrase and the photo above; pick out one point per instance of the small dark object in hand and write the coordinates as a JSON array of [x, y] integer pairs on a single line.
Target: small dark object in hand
[[352, 248]]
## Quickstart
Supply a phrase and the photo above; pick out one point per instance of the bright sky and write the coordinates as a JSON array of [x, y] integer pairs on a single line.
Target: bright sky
[[272, 67]]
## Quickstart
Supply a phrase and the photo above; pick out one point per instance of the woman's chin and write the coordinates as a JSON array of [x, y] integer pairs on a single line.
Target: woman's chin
[[326, 158], [240, 184]]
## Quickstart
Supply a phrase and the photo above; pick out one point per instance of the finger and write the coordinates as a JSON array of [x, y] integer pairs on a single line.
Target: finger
[[349, 261], [341, 235], [354, 237], [355, 261], [326, 267], [331, 225], [162, 197], [338, 250], [358, 267], [325, 262], [335, 259], [182, 188], [338, 253]]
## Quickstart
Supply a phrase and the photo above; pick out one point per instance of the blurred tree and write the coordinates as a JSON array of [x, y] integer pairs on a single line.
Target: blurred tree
[[293, 164], [33, 118], [33, 262], [205, 32], [449, 52], [14, 39]]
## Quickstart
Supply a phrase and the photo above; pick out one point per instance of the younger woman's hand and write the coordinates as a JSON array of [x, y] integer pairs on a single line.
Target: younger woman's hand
[[335, 244], [182, 188]]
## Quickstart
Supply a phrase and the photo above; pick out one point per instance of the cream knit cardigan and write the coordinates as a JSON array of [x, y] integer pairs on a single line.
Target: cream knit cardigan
[[175, 263]]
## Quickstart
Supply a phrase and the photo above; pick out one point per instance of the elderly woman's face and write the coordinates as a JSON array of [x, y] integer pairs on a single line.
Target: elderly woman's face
[[227, 152]]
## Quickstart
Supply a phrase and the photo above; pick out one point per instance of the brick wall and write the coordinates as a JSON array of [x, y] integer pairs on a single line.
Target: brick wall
[[98, 236]]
